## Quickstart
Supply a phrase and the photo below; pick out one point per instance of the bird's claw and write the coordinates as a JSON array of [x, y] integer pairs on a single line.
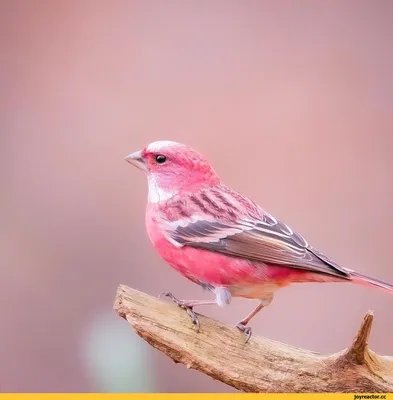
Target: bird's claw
[[246, 329], [193, 316], [183, 304], [170, 295]]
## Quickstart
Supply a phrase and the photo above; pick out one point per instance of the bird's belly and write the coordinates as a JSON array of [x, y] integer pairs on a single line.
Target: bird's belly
[[255, 290], [242, 277], [215, 269]]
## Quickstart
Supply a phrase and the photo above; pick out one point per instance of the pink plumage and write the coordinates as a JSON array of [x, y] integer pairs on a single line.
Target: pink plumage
[[220, 239]]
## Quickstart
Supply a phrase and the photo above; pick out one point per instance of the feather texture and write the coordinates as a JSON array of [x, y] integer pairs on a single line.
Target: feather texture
[[235, 226]]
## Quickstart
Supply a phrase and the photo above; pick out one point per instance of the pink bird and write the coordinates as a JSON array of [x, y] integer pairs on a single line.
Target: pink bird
[[220, 239]]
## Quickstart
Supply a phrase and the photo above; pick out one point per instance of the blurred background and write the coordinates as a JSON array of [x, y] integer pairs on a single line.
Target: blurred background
[[290, 101]]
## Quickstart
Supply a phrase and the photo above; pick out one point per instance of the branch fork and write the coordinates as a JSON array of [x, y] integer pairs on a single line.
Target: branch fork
[[261, 365]]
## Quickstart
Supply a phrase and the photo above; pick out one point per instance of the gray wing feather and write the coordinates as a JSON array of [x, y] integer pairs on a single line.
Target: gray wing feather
[[267, 241]]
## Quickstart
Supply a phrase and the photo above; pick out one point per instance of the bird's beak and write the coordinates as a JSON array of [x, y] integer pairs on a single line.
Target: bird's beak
[[136, 159]]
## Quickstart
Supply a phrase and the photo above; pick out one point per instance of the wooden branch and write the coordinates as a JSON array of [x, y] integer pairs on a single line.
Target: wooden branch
[[261, 365]]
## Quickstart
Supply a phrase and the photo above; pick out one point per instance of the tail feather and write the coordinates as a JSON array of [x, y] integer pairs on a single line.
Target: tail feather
[[368, 281]]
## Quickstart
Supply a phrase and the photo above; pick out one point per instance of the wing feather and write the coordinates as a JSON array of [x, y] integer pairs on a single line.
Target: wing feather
[[267, 240]]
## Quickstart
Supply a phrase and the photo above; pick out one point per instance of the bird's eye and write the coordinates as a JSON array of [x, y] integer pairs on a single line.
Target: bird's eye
[[160, 159]]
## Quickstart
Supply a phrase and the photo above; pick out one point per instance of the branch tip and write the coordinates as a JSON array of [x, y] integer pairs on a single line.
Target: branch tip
[[358, 350], [118, 306]]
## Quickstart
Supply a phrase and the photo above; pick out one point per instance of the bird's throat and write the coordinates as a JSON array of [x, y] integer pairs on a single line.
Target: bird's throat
[[156, 193]]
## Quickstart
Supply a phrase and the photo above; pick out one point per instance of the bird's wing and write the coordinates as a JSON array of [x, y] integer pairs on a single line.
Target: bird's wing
[[265, 240]]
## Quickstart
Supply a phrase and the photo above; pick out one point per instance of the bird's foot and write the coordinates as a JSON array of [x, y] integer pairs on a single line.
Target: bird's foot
[[183, 304], [246, 329]]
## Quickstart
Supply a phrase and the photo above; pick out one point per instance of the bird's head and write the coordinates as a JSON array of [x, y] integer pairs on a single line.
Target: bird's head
[[172, 167]]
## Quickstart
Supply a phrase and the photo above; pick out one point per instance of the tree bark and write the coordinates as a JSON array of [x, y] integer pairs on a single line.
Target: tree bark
[[261, 365]]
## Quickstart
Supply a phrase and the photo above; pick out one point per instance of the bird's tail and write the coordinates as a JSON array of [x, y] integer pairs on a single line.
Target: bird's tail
[[368, 281]]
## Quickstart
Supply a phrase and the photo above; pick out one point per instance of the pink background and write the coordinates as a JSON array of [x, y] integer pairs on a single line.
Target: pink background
[[290, 101]]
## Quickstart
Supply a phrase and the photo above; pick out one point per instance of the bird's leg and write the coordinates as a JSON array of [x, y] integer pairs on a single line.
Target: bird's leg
[[188, 305], [242, 325]]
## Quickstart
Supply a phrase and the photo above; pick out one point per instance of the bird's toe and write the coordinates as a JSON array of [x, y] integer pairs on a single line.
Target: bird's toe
[[193, 316], [246, 329]]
